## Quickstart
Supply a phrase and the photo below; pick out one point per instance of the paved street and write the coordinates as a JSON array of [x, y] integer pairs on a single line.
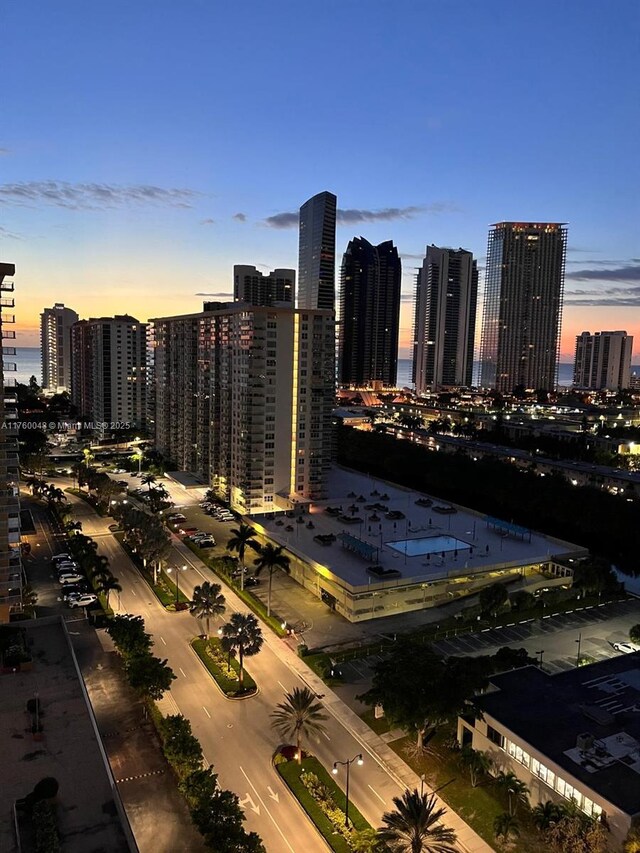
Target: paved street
[[236, 736]]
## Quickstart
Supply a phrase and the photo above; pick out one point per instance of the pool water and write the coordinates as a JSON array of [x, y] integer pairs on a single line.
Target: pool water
[[428, 545]]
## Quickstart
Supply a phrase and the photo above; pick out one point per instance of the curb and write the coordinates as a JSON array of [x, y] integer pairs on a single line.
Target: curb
[[228, 698]]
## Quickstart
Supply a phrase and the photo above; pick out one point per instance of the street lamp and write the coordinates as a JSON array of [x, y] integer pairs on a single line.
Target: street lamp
[[347, 764], [177, 570], [540, 652], [578, 641]]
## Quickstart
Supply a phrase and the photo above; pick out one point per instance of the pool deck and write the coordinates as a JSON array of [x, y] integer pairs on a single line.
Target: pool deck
[[490, 549]]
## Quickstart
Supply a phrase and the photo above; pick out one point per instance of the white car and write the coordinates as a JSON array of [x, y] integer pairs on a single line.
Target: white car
[[63, 580], [82, 600], [60, 557], [626, 648]]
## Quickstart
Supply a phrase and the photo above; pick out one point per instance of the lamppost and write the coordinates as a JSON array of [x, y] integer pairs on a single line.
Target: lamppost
[[540, 652], [347, 764], [177, 570], [578, 641]]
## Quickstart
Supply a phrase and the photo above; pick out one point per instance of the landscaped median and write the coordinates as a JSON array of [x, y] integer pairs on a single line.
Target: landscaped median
[[224, 669], [164, 589], [323, 801]]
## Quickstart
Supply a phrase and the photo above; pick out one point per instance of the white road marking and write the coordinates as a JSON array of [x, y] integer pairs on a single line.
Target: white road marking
[[326, 735], [206, 712], [284, 838], [163, 640], [252, 806], [282, 685], [377, 795], [133, 592], [273, 794], [182, 671]]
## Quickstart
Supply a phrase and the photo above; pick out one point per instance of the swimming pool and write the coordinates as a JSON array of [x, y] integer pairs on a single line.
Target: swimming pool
[[428, 545]]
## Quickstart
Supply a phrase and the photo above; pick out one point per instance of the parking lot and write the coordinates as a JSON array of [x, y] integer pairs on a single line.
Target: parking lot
[[554, 639]]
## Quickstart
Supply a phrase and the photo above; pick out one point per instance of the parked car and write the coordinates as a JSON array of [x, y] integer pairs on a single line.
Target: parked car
[[82, 600], [627, 648], [251, 581], [74, 589], [123, 483], [65, 568], [114, 527], [64, 580], [207, 542], [228, 517], [187, 531], [60, 557], [177, 516]]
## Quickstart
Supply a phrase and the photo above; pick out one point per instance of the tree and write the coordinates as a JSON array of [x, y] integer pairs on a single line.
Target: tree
[[477, 762], [181, 748], [522, 600], [414, 826], [220, 822], [578, 833], [243, 634], [546, 814], [29, 600], [271, 558], [514, 789], [508, 658], [208, 601], [492, 598], [634, 634], [299, 715], [129, 636], [107, 585], [199, 786], [505, 826], [149, 480], [632, 841], [149, 676], [419, 690], [242, 539]]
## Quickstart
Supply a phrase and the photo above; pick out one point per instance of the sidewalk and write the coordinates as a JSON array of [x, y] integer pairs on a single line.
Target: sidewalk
[[397, 769]]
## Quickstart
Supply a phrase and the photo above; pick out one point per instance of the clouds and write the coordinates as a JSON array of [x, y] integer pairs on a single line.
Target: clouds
[[8, 235], [225, 295], [4, 152], [93, 196], [627, 273], [357, 216], [240, 217], [207, 222]]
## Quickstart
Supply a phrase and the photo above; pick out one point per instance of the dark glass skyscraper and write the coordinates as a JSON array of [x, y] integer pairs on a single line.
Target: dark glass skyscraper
[[445, 319], [369, 314], [317, 253], [523, 305]]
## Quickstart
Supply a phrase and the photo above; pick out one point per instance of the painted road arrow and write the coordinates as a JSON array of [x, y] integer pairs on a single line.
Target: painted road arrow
[[273, 794], [252, 805]]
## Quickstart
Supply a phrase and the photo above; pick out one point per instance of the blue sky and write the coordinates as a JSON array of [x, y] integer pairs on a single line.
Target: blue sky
[[145, 145]]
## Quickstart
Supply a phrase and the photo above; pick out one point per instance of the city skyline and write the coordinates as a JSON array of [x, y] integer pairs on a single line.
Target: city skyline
[[106, 211]]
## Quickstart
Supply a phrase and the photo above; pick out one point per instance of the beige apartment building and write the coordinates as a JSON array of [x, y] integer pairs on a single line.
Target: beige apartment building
[[243, 400]]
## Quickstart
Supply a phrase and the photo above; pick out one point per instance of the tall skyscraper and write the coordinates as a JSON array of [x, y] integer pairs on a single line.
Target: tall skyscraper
[[250, 285], [369, 314], [603, 361], [55, 347], [523, 305], [109, 376], [317, 253], [445, 319], [243, 398], [10, 559]]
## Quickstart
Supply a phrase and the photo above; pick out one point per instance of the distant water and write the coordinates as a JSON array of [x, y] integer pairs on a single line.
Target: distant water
[[27, 361]]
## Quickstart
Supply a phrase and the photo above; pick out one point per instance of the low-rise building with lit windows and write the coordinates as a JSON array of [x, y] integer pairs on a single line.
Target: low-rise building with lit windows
[[570, 736]]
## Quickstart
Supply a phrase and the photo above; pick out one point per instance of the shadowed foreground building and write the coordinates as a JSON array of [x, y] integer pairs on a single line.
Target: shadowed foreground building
[[243, 400], [522, 314], [369, 314], [445, 319]]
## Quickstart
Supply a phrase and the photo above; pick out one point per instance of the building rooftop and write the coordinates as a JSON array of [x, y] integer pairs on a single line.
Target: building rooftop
[[585, 720], [69, 750], [422, 543]]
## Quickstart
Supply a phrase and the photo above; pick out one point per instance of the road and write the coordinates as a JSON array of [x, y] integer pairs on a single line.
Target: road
[[236, 736]]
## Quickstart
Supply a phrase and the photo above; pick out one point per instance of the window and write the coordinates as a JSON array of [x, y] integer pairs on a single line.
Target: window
[[495, 736]]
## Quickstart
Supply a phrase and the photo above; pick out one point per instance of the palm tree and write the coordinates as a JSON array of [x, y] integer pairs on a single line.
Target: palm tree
[[242, 537], [29, 599], [107, 585], [100, 568], [505, 825], [242, 633], [515, 790], [207, 601], [299, 715], [477, 762], [547, 813], [271, 558], [414, 826], [149, 480]]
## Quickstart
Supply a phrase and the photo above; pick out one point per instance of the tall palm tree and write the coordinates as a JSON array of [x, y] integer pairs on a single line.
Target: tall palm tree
[[299, 715], [271, 558], [241, 539], [515, 790], [546, 814], [107, 585], [207, 601], [505, 826], [149, 480], [243, 634], [414, 826]]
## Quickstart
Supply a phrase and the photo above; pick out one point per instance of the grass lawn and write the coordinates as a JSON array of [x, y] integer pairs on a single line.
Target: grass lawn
[[477, 806], [380, 727], [164, 589], [215, 659], [290, 772]]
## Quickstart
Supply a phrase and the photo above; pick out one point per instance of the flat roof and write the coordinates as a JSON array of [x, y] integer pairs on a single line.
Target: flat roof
[[484, 547], [549, 712], [69, 751], [186, 479]]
